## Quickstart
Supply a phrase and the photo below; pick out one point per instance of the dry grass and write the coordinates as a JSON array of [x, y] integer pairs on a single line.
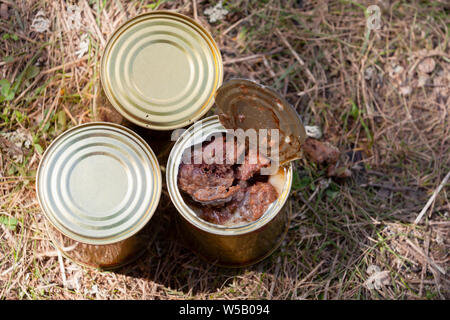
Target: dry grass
[[366, 91]]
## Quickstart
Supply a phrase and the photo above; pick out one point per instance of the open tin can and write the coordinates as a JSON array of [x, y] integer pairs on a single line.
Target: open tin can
[[98, 185], [241, 104]]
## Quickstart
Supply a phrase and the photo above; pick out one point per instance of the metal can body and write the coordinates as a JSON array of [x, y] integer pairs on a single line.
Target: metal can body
[[231, 246], [109, 256], [98, 185], [236, 250]]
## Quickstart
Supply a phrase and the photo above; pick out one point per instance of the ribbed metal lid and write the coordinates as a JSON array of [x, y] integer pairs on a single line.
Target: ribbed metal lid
[[161, 69], [98, 183]]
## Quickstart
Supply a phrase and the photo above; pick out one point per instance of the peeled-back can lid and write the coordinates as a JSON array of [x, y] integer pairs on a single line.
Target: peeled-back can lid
[[244, 104], [160, 70], [98, 183]]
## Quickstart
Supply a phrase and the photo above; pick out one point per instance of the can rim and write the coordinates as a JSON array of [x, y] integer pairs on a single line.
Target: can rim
[[188, 214], [100, 241], [206, 106]]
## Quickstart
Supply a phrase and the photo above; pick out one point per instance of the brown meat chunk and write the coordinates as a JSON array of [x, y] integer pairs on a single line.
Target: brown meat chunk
[[320, 152], [261, 195], [215, 196], [245, 207], [252, 164], [222, 186], [215, 215], [193, 178], [219, 151], [324, 153]]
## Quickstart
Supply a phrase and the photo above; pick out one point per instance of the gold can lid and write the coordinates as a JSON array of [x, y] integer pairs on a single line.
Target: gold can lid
[[244, 104], [98, 183], [160, 70]]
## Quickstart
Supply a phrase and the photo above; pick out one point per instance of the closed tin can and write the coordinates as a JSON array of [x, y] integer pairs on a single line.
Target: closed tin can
[[160, 70], [98, 185]]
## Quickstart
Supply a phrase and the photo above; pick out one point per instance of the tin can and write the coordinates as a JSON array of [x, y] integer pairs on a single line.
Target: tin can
[[224, 245], [160, 70], [241, 104], [98, 185]]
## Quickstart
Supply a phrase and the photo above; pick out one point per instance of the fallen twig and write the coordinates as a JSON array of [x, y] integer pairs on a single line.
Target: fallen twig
[[251, 57], [388, 187], [296, 56], [430, 262], [65, 65], [432, 198], [194, 5]]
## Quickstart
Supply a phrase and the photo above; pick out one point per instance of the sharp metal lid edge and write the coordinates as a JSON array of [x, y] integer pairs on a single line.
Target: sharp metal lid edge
[[245, 104], [98, 183]]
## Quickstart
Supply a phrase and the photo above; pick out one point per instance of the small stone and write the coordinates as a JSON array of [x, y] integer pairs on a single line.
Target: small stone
[[40, 23], [216, 13], [74, 17], [423, 79], [368, 73], [427, 65], [83, 47], [377, 278], [405, 90], [397, 70], [313, 132]]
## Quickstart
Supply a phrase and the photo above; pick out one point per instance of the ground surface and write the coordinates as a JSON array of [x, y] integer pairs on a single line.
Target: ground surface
[[381, 97]]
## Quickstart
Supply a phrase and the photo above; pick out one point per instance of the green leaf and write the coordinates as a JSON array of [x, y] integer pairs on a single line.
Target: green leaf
[[12, 170], [38, 148], [5, 87], [4, 115], [46, 126], [6, 91], [19, 116], [300, 183], [32, 72], [355, 111], [9, 96], [62, 119], [35, 138], [331, 194], [9, 222], [154, 5], [8, 59]]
